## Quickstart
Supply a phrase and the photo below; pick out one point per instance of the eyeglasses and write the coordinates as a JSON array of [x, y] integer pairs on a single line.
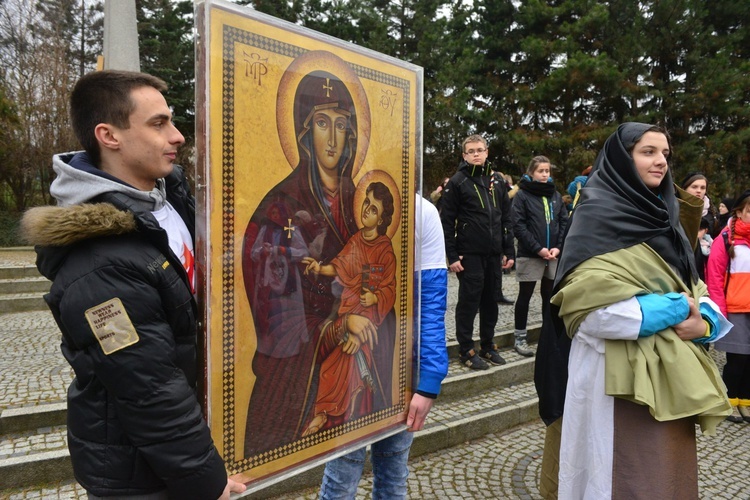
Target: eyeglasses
[[478, 151]]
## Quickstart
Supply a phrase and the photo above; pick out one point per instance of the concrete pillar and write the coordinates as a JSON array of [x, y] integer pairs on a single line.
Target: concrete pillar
[[121, 35]]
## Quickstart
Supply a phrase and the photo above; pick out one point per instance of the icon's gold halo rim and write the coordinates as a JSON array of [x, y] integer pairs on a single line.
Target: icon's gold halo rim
[[320, 60], [360, 193]]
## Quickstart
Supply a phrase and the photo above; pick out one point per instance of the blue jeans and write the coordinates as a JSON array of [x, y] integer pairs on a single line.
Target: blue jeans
[[389, 459]]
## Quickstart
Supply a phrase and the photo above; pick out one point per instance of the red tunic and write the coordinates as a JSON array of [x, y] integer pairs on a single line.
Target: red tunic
[[342, 393]]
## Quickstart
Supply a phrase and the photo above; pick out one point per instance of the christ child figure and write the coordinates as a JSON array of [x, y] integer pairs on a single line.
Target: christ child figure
[[366, 270]]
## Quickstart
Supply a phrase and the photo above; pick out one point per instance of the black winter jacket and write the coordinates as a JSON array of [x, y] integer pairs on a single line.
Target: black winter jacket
[[530, 225], [135, 425], [476, 214]]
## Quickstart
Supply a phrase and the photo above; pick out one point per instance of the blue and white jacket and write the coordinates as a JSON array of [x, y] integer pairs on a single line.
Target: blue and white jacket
[[429, 344]]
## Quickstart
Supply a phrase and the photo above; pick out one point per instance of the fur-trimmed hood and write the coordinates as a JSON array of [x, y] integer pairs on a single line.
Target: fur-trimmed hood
[[54, 230], [64, 226]]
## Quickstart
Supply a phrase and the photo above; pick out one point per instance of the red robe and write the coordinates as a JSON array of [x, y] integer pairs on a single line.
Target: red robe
[[342, 393]]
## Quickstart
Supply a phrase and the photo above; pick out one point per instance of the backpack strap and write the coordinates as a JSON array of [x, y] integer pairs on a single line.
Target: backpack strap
[[725, 235]]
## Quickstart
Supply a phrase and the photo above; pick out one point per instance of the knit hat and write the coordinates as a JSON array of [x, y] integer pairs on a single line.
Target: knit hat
[[691, 178], [728, 202], [740, 199]]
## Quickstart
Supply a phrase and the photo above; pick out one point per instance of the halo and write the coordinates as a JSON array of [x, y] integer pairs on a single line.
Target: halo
[[360, 192], [320, 60]]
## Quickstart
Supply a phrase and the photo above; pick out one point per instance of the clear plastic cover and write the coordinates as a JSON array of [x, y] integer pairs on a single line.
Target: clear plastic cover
[[308, 162]]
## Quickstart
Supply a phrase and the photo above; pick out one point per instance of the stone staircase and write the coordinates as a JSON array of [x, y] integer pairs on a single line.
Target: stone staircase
[[21, 289], [33, 449]]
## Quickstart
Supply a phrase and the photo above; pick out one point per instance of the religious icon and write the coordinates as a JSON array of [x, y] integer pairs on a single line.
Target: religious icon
[[307, 241]]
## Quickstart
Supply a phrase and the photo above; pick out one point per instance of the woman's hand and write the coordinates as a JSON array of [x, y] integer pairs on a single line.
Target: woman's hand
[[363, 328], [352, 345], [693, 327]]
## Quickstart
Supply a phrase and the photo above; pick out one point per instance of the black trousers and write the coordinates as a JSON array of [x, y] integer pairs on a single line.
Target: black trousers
[[736, 375], [525, 291], [476, 292]]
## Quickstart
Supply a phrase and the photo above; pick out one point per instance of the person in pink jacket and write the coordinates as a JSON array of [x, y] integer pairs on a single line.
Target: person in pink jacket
[[728, 280]]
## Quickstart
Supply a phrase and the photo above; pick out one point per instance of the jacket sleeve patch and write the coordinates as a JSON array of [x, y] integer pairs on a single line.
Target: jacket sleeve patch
[[111, 326]]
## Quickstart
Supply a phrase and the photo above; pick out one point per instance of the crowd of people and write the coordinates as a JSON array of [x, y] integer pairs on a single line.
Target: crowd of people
[[638, 278]]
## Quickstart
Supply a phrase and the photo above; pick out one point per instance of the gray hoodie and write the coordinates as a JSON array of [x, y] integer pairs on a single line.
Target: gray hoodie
[[79, 181]]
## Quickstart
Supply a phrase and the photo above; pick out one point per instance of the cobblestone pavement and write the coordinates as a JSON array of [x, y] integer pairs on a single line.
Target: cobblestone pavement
[[501, 465], [34, 370], [507, 465]]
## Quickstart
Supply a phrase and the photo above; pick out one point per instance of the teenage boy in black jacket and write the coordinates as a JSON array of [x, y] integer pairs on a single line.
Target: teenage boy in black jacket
[[119, 251], [476, 218]]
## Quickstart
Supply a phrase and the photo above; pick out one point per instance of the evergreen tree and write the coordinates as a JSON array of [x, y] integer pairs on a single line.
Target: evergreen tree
[[166, 51], [448, 115], [550, 77], [493, 103], [80, 23], [288, 10], [719, 140]]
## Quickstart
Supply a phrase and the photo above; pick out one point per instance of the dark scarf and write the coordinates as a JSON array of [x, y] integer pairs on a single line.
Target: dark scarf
[[617, 210], [537, 188]]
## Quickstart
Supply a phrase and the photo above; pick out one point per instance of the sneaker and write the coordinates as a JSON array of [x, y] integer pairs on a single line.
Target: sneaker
[[473, 361], [522, 348], [492, 356]]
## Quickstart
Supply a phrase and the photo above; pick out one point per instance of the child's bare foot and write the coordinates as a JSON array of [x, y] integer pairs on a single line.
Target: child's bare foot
[[315, 425]]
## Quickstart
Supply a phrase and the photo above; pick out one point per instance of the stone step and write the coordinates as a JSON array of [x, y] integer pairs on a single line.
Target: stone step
[[18, 272], [462, 382], [37, 284], [35, 375], [28, 458], [26, 419], [21, 288], [34, 457], [22, 302]]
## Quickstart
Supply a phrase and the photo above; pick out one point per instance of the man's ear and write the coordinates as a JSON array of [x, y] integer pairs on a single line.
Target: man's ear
[[106, 134]]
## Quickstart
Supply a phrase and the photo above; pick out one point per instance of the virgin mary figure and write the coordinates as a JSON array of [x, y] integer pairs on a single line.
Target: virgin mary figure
[[294, 323]]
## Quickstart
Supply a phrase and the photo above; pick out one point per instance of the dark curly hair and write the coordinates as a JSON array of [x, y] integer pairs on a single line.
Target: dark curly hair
[[381, 193]]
